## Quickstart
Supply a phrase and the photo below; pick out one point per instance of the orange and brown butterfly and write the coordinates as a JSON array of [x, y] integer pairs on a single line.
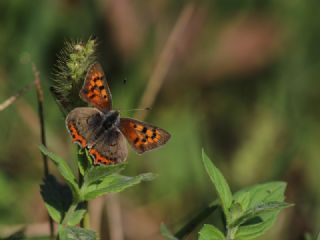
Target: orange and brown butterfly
[[101, 130]]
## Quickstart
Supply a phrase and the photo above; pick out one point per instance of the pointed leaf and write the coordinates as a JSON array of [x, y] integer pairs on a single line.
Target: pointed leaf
[[64, 170], [258, 210], [308, 236], [273, 191], [209, 232], [266, 202], [166, 234], [76, 233], [57, 197], [255, 230], [98, 173], [220, 184], [113, 183]]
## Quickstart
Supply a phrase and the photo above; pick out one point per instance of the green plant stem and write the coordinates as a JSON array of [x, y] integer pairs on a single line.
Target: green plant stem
[[194, 222], [231, 233], [85, 221]]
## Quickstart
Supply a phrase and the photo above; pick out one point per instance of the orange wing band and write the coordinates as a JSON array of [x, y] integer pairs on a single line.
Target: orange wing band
[[76, 137], [98, 158]]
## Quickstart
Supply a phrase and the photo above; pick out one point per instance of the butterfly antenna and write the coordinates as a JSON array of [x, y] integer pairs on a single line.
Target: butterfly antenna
[[136, 109], [122, 90]]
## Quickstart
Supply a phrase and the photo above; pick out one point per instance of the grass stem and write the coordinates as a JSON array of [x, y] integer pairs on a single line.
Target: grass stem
[[43, 133]]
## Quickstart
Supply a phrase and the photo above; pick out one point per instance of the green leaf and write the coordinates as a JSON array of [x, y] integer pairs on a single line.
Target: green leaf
[[209, 232], [255, 230], [113, 183], [220, 184], [98, 173], [64, 170], [267, 192], [84, 162], [258, 210], [166, 234], [57, 197], [308, 236], [76, 217], [244, 200], [266, 202], [76, 233]]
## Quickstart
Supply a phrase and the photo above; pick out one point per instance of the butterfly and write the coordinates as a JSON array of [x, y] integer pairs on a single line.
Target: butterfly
[[100, 129]]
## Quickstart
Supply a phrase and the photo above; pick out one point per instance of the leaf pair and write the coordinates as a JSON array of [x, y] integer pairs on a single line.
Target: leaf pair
[[249, 213], [65, 202]]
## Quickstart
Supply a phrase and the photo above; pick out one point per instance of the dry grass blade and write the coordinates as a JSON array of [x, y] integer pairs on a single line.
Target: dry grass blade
[[154, 85], [114, 216], [31, 230], [166, 58], [13, 98]]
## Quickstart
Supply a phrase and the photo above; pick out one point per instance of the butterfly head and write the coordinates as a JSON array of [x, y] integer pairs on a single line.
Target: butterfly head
[[111, 119]]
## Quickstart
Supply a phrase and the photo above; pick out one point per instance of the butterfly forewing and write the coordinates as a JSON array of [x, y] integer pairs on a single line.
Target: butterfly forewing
[[142, 136], [95, 89]]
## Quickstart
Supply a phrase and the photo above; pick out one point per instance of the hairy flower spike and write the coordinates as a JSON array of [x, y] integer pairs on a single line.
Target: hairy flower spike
[[70, 70]]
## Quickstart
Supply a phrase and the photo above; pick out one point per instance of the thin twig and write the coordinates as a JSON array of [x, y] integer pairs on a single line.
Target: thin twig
[[42, 131], [165, 59], [13, 98]]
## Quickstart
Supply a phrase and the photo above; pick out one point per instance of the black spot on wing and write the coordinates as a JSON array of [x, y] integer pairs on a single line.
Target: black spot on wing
[[144, 130], [153, 135]]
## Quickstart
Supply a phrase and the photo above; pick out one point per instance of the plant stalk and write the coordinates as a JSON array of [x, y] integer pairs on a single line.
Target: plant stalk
[[43, 133], [194, 222], [84, 223]]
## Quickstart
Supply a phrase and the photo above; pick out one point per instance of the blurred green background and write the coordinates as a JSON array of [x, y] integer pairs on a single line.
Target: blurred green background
[[237, 78]]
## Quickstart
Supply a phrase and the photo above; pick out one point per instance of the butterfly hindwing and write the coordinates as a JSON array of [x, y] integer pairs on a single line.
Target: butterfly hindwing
[[105, 145], [142, 136], [110, 148], [83, 124], [95, 89]]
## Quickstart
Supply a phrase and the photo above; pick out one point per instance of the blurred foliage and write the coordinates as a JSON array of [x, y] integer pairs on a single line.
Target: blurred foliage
[[242, 83]]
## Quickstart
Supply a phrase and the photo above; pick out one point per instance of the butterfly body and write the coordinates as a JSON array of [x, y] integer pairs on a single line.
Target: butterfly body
[[101, 130]]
